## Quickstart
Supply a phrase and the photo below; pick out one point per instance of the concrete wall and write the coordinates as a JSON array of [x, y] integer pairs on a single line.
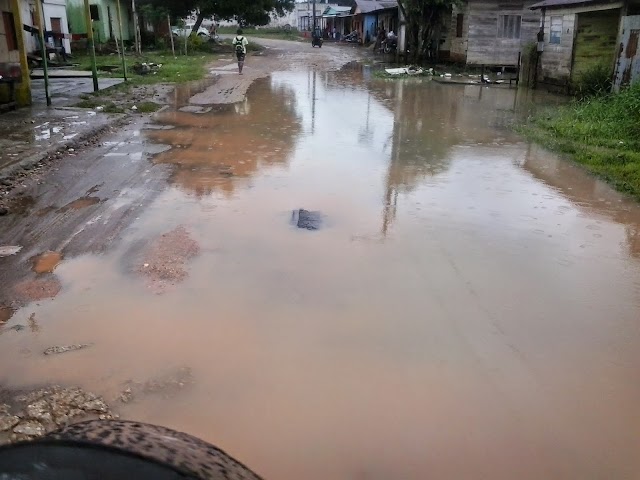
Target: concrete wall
[[50, 9], [6, 55], [15, 55], [57, 9]]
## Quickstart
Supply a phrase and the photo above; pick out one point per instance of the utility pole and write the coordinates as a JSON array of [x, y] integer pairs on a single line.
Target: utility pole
[[92, 44], [314, 15], [41, 27], [124, 62]]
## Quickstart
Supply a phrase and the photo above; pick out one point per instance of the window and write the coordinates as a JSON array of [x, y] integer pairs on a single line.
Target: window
[[95, 13], [10, 31], [509, 26], [459, 25], [555, 30]]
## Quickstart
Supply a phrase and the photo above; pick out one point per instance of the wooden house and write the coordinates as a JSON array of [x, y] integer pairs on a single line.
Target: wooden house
[[371, 15], [580, 35], [489, 32]]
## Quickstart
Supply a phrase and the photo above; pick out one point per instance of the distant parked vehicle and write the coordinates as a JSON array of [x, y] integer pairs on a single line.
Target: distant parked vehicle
[[186, 31], [353, 37], [316, 38]]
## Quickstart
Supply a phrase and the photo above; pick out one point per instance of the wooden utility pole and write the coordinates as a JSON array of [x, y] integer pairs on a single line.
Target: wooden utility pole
[[136, 28], [92, 44], [124, 61], [314, 16], [45, 69], [173, 48]]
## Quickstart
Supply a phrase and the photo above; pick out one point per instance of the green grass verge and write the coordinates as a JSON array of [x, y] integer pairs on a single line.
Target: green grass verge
[[602, 133], [109, 107], [174, 70]]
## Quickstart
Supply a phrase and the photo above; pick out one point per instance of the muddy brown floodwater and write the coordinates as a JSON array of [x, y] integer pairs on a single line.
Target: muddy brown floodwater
[[468, 308]]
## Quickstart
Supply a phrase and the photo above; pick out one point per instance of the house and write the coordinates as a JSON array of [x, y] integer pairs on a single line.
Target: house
[[15, 84], [371, 15], [337, 19], [580, 35], [489, 32], [104, 16], [55, 20]]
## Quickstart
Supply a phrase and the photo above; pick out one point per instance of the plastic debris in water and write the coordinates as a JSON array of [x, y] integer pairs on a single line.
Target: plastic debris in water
[[8, 250]]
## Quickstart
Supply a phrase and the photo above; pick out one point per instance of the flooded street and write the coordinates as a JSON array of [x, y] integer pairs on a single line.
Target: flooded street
[[468, 307]]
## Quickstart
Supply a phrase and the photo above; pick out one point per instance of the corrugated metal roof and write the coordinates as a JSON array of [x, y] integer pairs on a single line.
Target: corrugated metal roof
[[565, 3], [332, 10], [368, 6]]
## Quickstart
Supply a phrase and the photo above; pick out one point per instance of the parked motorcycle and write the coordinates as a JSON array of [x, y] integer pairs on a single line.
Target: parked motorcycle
[[390, 45], [352, 37], [316, 39]]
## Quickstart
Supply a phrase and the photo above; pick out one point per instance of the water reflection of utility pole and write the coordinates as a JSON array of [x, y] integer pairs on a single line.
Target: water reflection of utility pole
[[313, 102], [394, 172], [367, 133]]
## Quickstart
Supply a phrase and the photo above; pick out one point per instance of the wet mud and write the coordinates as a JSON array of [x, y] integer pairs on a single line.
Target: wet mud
[[33, 289], [79, 203], [46, 262], [5, 314]]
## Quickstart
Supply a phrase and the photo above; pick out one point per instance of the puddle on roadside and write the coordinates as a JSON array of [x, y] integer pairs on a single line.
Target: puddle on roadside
[[46, 211], [5, 314], [461, 263], [80, 203], [217, 150], [46, 262]]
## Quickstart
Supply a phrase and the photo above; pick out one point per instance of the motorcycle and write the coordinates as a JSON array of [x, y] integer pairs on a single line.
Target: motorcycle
[[352, 37], [390, 45], [316, 39]]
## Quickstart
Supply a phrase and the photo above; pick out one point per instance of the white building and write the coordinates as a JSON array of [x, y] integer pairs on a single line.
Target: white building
[[55, 18]]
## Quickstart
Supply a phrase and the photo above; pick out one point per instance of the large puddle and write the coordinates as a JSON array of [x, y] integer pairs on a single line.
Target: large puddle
[[469, 308]]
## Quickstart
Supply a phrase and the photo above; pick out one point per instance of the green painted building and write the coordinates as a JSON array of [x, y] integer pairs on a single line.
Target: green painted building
[[104, 16]]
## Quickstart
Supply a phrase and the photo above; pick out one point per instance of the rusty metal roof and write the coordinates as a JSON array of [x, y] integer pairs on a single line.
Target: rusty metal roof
[[566, 3]]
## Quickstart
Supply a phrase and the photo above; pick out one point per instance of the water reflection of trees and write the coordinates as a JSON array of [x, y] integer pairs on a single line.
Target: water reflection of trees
[[586, 191], [214, 151], [425, 128]]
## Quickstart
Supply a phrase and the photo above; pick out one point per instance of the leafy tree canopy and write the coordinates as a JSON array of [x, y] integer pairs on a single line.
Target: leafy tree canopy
[[245, 12]]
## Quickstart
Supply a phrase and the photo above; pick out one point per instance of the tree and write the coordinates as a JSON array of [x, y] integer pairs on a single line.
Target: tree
[[245, 12], [425, 19]]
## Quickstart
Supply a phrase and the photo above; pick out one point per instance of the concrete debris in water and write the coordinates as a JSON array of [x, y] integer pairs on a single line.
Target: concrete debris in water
[[65, 348], [33, 414], [8, 250], [165, 261], [165, 385], [306, 219]]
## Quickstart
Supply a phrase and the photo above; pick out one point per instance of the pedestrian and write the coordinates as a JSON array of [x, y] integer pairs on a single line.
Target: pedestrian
[[240, 43]]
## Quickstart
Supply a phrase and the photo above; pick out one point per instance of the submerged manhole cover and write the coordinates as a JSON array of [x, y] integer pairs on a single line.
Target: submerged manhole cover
[[306, 219]]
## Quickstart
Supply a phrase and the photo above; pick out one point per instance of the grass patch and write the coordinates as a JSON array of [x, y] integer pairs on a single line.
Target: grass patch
[[148, 107], [174, 70], [602, 133], [108, 107]]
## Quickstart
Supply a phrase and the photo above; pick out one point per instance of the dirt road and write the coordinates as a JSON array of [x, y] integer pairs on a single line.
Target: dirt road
[[466, 307]]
